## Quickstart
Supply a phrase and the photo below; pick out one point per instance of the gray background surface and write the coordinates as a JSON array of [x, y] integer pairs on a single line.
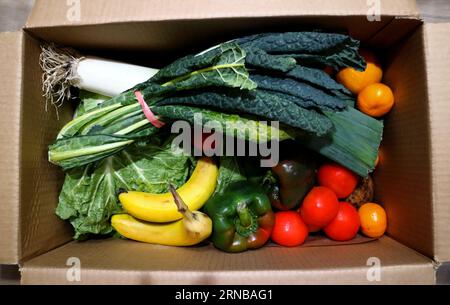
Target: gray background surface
[[14, 13]]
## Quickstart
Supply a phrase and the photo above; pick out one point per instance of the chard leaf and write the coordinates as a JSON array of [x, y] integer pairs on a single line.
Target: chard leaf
[[89, 195], [81, 150], [121, 124], [74, 126], [89, 101], [108, 118]]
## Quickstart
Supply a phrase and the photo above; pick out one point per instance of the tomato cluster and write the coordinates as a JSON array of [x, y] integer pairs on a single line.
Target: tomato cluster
[[322, 210]]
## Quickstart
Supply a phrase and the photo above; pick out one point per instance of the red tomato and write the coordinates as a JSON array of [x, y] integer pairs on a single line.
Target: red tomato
[[289, 229], [336, 177], [313, 229], [346, 224], [319, 207]]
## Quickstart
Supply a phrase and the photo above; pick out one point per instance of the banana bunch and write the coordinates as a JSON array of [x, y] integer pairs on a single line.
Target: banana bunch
[[172, 218]]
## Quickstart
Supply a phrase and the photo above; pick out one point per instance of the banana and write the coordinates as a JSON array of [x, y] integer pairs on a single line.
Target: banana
[[161, 207], [192, 229]]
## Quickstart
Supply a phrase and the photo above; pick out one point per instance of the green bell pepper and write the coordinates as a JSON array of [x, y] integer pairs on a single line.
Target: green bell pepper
[[242, 217]]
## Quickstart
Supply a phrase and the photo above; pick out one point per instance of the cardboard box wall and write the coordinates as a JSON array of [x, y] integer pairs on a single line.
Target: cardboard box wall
[[412, 181]]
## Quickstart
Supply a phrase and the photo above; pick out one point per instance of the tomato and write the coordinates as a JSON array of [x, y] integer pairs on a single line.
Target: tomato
[[373, 220], [319, 207], [313, 229], [345, 225], [289, 229], [339, 179]]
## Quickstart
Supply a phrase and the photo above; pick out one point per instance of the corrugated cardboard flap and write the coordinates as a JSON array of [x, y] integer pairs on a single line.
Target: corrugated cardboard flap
[[125, 262], [48, 13], [29, 185], [437, 50], [11, 46]]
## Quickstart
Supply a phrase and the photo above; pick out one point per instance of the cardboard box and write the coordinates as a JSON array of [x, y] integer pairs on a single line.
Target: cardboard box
[[412, 181]]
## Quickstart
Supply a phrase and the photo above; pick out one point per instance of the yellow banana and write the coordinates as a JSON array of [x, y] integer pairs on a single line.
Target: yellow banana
[[169, 234], [192, 229], [161, 207]]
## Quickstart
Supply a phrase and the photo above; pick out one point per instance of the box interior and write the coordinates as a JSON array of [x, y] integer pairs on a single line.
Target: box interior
[[405, 191]]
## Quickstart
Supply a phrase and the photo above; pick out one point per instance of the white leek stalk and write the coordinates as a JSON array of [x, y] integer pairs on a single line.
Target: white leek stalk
[[110, 78], [64, 68]]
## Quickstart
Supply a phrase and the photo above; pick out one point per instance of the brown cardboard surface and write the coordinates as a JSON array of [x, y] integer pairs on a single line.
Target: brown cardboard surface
[[56, 13], [40, 181], [393, 32], [415, 145], [11, 46], [320, 240], [438, 70], [167, 25], [126, 262], [169, 35], [29, 184], [403, 178]]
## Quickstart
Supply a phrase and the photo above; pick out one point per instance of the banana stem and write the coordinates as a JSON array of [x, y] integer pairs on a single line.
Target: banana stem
[[181, 205]]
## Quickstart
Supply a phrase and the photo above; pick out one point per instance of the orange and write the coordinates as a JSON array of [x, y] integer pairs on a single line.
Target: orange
[[373, 220], [356, 81], [375, 100]]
